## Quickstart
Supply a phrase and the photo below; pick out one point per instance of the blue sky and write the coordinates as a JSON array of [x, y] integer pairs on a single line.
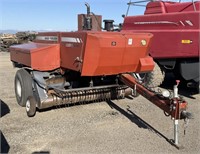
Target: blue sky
[[56, 15]]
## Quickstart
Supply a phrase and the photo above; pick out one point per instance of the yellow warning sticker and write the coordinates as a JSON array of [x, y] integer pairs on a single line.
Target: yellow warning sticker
[[186, 41]]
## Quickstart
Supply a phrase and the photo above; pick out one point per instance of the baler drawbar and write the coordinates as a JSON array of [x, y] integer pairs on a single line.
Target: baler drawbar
[[175, 106]]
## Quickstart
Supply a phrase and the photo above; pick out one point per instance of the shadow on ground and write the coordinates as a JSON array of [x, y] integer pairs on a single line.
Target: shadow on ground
[[4, 144], [137, 120], [4, 108], [41, 152]]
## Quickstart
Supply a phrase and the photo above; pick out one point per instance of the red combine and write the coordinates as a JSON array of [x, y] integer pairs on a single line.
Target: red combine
[[175, 45], [61, 68]]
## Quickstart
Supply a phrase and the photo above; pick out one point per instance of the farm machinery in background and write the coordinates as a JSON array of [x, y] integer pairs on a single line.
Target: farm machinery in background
[[88, 65], [175, 45]]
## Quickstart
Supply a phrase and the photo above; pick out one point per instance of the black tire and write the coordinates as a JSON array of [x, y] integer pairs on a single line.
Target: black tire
[[23, 86], [152, 79], [155, 78], [30, 106]]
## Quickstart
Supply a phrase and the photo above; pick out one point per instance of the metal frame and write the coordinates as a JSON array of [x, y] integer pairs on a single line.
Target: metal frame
[[174, 107], [143, 1]]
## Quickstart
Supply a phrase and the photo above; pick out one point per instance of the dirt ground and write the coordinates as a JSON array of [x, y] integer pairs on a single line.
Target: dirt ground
[[121, 126]]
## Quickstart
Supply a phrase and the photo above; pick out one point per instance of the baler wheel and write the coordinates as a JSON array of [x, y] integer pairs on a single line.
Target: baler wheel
[[23, 86], [31, 106], [152, 79]]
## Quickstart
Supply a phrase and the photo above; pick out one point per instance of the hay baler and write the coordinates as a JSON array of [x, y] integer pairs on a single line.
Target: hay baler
[[61, 68], [69, 67]]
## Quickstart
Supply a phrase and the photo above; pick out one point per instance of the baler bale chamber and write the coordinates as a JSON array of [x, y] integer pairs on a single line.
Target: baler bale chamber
[[75, 67]]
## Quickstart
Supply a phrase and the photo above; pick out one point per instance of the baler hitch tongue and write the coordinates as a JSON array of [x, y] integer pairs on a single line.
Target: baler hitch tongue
[[174, 106]]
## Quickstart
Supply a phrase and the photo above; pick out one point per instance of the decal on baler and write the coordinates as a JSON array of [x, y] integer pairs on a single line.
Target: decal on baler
[[47, 38], [71, 39], [130, 41]]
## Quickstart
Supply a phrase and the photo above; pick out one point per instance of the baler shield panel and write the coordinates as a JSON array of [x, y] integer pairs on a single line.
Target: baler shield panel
[[38, 56], [114, 53]]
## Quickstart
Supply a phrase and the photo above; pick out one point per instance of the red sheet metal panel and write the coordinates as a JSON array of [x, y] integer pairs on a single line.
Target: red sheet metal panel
[[72, 50], [38, 56], [145, 64], [181, 7], [155, 7], [170, 7], [171, 33], [113, 53], [87, 52]]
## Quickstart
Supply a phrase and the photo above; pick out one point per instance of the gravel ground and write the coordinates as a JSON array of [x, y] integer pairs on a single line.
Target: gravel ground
[[121, 126]]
